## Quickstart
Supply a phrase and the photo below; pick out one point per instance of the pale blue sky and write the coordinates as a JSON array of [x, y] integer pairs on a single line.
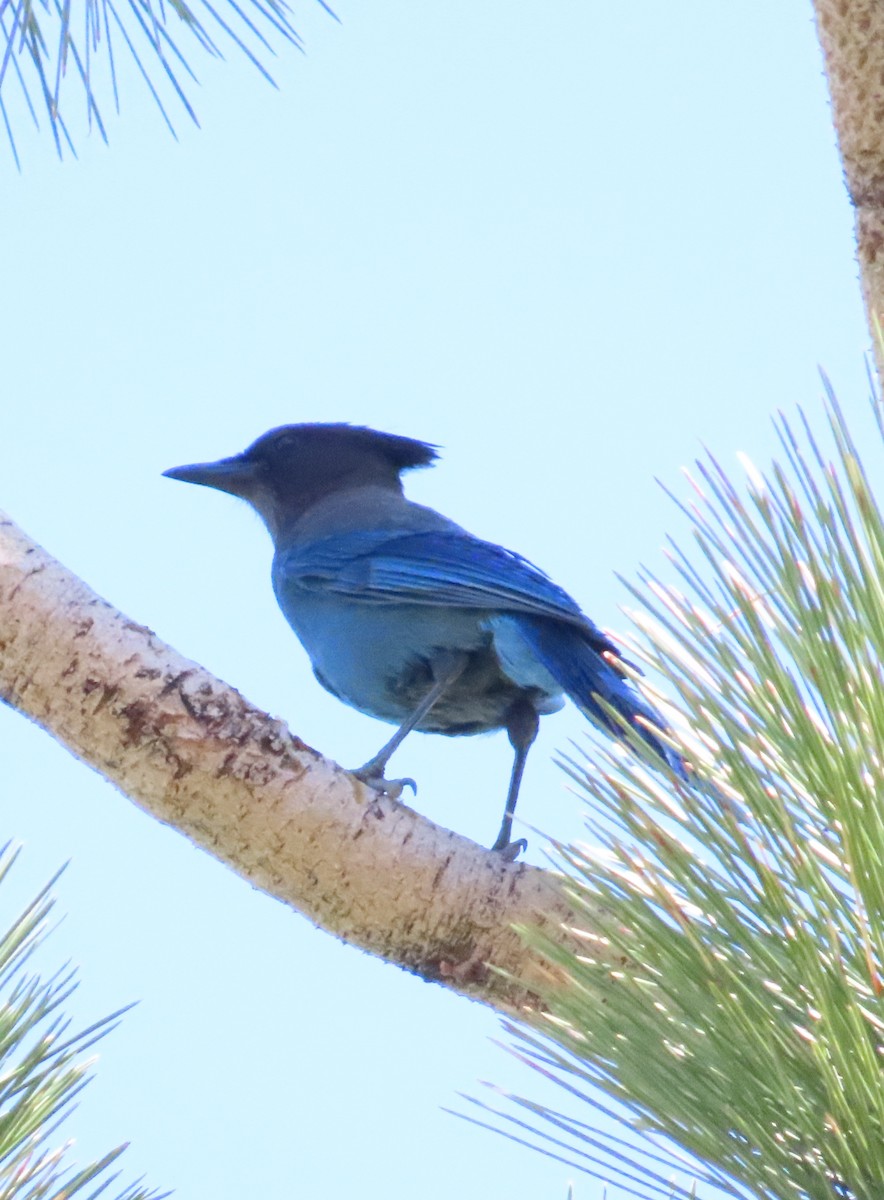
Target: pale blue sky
[[568, 243]]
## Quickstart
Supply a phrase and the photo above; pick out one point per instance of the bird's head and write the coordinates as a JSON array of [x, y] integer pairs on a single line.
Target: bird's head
[[288, 470]]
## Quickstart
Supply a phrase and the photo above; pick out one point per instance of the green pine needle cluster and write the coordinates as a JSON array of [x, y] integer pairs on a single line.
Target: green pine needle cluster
[[42, 1071], [730, 996], [57, 56]]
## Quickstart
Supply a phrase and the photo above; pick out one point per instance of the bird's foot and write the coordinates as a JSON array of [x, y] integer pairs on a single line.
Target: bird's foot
[[510, 851], [372, 774]]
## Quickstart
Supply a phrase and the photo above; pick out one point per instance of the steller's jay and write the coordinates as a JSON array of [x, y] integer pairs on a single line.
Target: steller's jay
[[408, 617]]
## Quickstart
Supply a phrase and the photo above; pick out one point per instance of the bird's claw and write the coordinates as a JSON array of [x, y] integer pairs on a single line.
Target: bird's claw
[[374, 778], [510, 851]]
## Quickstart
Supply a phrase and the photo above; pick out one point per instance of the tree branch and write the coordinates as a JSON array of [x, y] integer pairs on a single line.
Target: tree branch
[[196, 755], [851, 33]]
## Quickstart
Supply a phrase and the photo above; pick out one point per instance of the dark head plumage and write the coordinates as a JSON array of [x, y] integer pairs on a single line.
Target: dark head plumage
[[289, 469], [292, 443]]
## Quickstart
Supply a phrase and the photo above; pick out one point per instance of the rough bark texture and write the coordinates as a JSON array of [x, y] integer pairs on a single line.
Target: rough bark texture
[[194, 754], [851, 33]]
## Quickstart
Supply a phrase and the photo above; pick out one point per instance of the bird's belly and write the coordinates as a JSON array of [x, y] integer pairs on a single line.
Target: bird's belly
[[380, 659]]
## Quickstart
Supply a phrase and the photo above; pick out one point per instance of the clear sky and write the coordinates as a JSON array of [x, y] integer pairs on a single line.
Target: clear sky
[[569, 243]]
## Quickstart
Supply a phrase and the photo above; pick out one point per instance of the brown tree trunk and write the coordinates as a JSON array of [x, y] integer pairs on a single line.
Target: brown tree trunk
[[851, 33]]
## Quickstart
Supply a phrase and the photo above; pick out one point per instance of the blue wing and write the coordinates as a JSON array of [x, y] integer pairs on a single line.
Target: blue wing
[[436, 568], [454, 569]]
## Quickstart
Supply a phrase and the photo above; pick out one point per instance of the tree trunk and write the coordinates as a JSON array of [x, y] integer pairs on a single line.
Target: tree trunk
[[851, 33]]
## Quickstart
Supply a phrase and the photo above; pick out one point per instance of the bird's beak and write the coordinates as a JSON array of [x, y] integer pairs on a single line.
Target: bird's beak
[[234, 475]]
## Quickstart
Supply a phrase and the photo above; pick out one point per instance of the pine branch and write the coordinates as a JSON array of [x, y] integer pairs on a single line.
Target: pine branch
[[192, 752], [746, 1023], [62, 59], [851, 34], [42, 1070]]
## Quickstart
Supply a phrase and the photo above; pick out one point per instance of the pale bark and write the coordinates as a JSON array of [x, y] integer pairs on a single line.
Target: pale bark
[[193, 753], [851, 33]]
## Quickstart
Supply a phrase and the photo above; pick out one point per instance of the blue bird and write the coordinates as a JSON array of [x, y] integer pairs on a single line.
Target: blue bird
[[408, 617]]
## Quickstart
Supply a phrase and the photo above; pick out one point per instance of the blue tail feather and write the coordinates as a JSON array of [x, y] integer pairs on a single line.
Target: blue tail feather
[[586, 677]]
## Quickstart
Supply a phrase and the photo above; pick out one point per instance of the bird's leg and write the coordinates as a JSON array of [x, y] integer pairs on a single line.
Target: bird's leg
[[522, 724], [446, 671]]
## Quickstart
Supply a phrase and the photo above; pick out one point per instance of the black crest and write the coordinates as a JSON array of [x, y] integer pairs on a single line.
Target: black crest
[[292, 442]]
